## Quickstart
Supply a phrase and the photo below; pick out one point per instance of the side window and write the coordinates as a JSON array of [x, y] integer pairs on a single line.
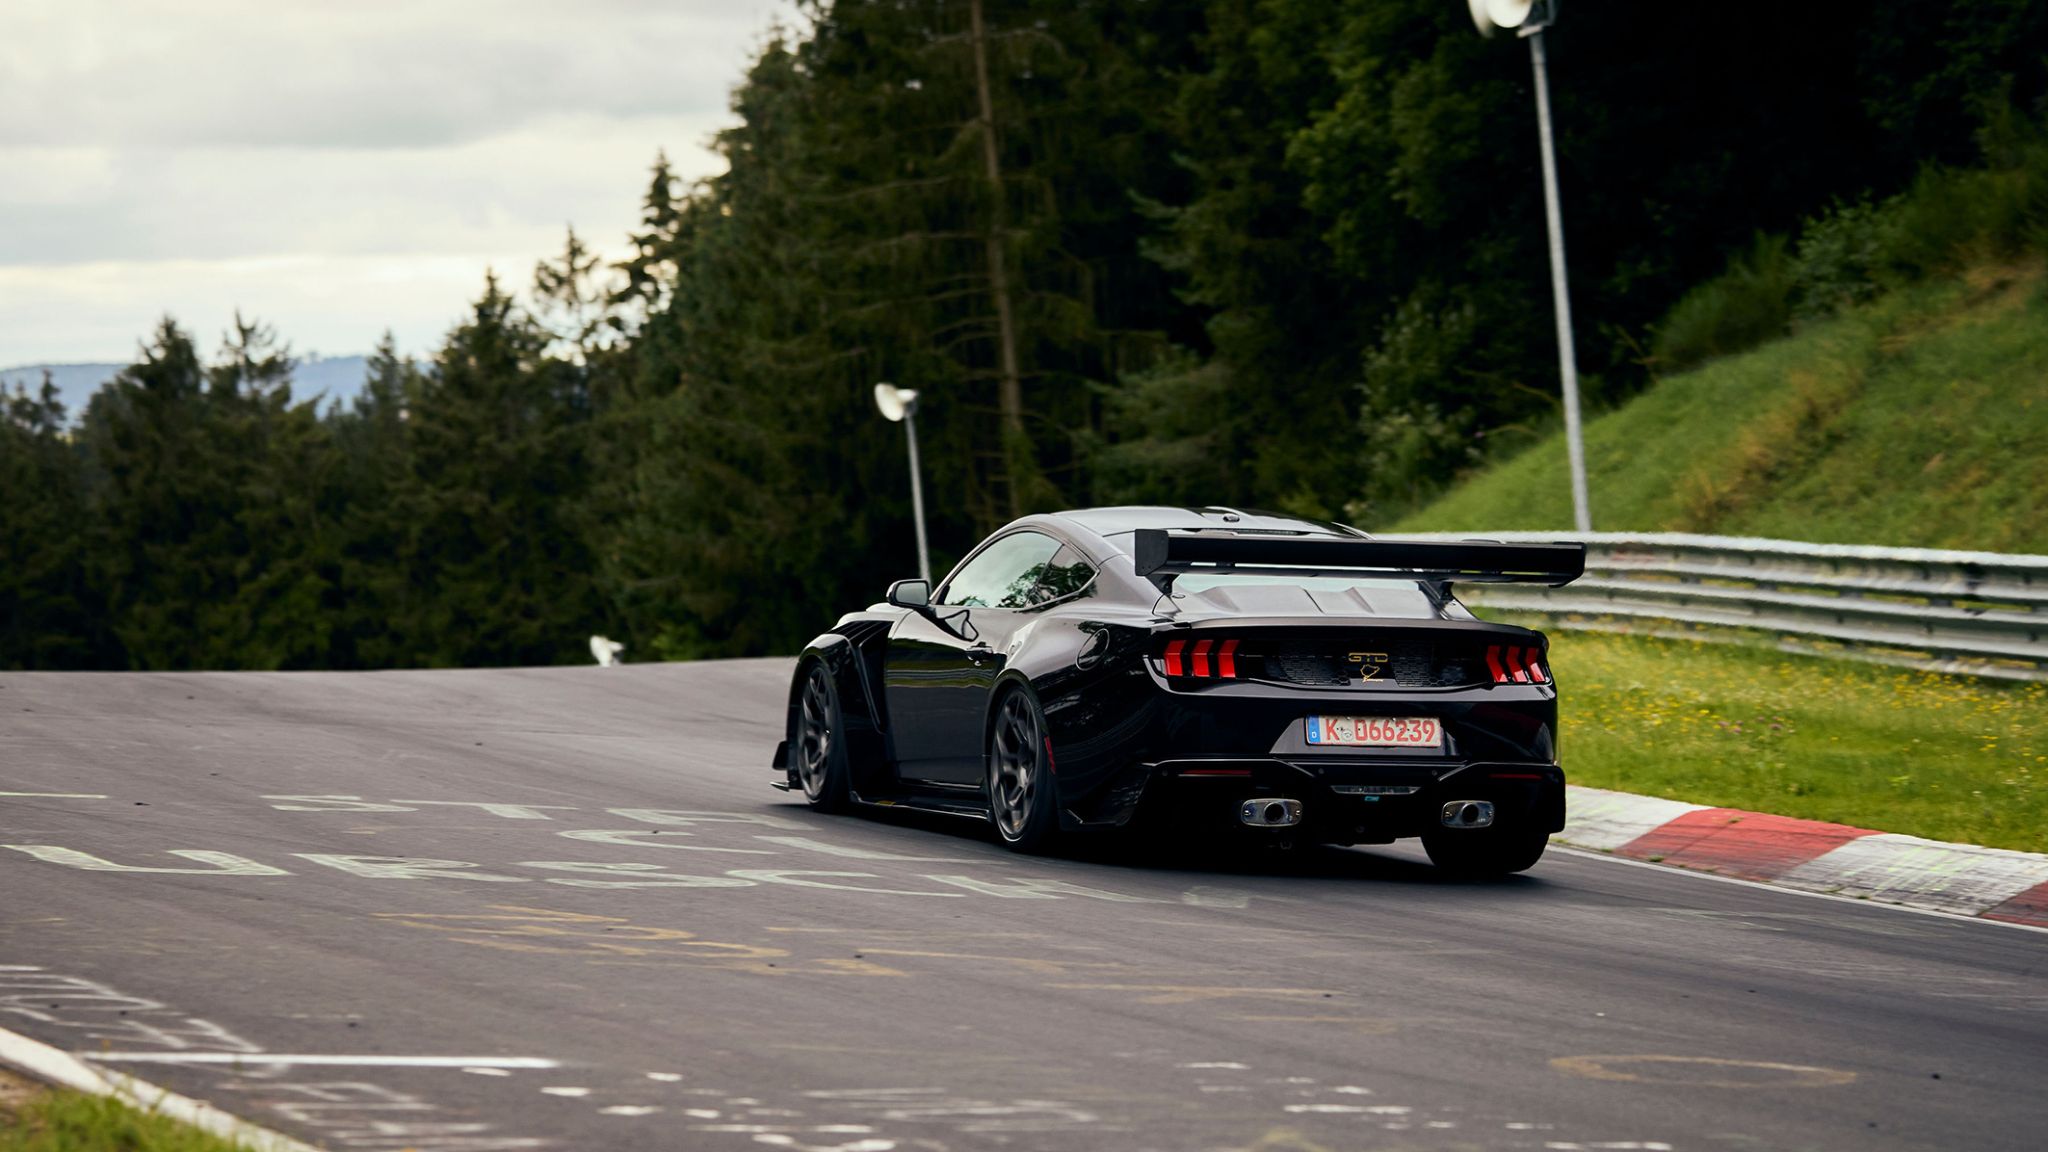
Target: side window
[[1065, 574], [1004, 574]]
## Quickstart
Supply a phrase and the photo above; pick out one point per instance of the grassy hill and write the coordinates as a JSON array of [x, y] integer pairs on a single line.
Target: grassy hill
[[1920, 418]]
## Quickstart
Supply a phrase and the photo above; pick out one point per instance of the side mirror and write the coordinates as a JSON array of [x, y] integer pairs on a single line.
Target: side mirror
[[913, 594]]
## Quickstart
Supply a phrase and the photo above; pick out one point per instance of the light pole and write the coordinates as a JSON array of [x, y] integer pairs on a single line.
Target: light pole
[[1531, 17], [900, 404]]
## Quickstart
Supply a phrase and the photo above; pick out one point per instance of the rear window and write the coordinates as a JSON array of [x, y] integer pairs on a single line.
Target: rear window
[[1273, 593], [1203, 581]]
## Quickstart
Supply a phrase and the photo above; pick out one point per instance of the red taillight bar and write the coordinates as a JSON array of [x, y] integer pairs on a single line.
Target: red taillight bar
[[1512, 665], [1208, 659]]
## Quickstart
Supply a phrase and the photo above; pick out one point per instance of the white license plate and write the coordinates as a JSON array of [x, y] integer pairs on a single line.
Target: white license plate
[[1376, 731]]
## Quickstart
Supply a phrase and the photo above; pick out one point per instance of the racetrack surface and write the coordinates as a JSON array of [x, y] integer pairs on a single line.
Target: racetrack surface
[[600, 964]]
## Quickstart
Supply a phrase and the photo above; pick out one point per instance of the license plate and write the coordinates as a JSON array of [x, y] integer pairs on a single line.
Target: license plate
[[1376, 731]]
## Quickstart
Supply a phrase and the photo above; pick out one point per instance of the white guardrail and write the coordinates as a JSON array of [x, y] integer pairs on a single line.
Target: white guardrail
[[1981, 613]]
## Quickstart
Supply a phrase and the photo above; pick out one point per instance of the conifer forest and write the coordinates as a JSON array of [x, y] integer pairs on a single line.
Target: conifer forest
[[1283, 254]]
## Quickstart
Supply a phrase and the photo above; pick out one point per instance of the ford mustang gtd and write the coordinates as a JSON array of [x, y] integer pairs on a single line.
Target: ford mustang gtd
[[1233, 670]]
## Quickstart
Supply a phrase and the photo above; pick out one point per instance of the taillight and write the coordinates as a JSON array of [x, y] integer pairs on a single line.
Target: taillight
[[1512, 664], [1205, 659]]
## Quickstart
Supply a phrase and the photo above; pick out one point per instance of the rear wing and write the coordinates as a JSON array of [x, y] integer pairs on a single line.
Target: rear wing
[[1157, 552]]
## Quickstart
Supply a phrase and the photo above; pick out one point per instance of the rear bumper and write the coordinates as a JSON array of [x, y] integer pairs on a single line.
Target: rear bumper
[[1356, 801], [1200, 754]]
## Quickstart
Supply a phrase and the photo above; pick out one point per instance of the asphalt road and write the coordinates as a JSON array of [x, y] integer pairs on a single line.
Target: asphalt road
[[621, 937]]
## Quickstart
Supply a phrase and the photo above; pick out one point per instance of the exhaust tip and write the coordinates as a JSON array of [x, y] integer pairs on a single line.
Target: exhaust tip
[[1467, 814], [1270, 813]]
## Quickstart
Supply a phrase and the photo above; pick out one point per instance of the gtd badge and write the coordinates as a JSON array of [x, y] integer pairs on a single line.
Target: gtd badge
[[1370, 664]]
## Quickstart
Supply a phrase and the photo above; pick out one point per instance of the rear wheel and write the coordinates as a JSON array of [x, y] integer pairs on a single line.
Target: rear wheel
[[1478, 853], [818, 743], [1020, 785]]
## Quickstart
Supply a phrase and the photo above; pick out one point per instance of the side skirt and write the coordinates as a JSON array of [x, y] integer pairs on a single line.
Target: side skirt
[[967, 803]]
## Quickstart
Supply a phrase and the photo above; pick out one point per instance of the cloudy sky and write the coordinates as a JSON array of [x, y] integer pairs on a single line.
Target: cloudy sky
[[332, 167]]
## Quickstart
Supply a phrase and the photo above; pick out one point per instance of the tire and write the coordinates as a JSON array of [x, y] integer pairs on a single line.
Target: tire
[[1020, 779], [817, 743], [1484, 853]]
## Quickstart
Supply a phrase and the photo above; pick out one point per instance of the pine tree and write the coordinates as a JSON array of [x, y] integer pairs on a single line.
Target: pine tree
[[48, 616], [496, 439]]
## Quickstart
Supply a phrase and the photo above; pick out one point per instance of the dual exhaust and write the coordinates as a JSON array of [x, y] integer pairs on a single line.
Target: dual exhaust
[[1274, 812]]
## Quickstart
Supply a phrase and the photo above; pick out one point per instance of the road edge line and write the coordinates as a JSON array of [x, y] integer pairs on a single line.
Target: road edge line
[[62, 1069]]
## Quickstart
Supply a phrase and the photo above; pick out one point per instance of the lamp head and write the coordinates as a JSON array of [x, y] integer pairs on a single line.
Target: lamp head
[[895, 403], [1526, 14]]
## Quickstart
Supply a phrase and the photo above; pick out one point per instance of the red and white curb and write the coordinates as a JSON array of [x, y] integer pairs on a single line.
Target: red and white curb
[[1812, 855], [54, 1066]]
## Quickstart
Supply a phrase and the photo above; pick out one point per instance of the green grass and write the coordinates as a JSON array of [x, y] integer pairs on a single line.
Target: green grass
[[1919, 419], [1945, 757], [59, 1121]]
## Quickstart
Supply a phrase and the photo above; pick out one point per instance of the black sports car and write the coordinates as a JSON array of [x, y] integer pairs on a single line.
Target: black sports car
[[1297, 678]]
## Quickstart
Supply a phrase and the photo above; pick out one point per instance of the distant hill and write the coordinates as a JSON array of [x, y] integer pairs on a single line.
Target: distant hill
[[1919, 419], [338, 378]]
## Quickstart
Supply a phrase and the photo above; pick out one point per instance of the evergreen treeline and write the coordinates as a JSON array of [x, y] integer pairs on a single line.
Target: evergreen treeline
[[1278, 253]]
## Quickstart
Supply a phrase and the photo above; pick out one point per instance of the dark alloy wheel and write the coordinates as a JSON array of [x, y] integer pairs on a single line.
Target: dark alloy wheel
[[1483, 853], [1020, 785], [818, 743]]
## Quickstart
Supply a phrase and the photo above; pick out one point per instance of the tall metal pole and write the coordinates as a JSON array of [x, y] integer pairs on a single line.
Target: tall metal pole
[[1567, 352], [924, 560]]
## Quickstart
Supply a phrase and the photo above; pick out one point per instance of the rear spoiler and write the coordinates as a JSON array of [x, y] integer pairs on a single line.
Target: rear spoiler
[[1155, 551]]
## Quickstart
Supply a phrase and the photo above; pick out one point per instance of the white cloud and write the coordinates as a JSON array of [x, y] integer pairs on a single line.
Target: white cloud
[[332, 168]]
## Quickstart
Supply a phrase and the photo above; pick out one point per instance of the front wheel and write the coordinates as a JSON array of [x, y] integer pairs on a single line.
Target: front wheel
[[1481, 853], [1020, 785], [818, 742]]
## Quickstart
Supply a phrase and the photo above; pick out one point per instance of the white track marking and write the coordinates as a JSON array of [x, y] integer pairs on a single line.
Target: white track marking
[[630, 875], [58, 795], [323, 1059], [629, 838], [1026, 888], [408, 868], [811, 845], [47, 1063], [677, 816], [218, 863], [333, 803], [565, 1090], [508, 811], [795, 876]]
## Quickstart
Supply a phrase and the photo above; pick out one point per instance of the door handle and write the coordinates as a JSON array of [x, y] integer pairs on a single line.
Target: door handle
[[978, 653]]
